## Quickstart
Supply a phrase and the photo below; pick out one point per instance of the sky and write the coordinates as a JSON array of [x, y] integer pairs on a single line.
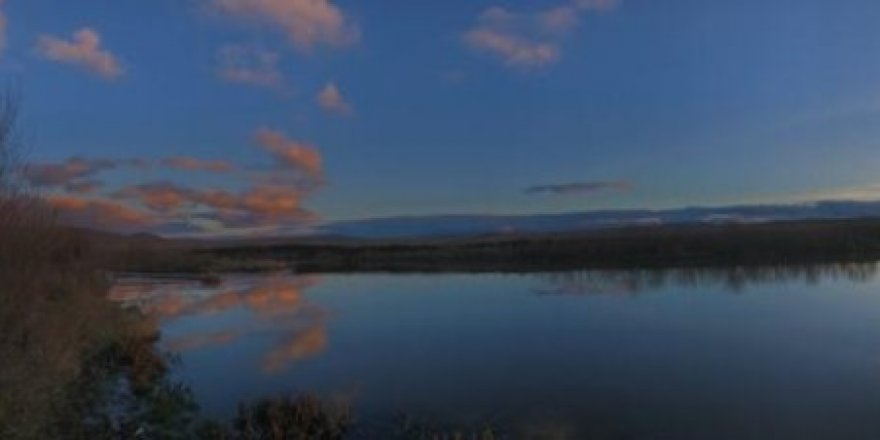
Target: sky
[[267, 115]]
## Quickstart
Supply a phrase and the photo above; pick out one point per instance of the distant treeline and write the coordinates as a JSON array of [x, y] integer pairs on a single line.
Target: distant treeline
[[657, 246]]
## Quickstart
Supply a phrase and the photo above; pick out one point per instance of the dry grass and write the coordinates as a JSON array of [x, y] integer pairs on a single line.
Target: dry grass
[[54, 318], [285, 418]]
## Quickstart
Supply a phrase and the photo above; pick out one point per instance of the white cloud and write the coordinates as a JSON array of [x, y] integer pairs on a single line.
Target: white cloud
[[513, 49], [251, 66]]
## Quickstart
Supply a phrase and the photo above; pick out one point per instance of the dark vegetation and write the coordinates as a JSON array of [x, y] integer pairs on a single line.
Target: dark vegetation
[[55, 325], [294, 418], [179, 257], [635, 247], [72, 364]]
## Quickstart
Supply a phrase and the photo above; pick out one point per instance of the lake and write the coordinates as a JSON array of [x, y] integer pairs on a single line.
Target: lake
[[735, 353]]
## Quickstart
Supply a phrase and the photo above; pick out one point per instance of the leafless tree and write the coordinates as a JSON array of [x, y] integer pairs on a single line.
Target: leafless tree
[[10, 159]]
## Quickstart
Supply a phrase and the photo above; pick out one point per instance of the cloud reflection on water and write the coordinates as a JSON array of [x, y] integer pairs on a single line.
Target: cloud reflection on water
[[275, 305]]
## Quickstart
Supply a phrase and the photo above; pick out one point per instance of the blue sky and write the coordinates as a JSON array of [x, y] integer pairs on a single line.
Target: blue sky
[[455, 106]]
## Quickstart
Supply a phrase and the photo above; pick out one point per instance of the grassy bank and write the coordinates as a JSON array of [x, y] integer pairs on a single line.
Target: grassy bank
[[69, 358], [52, 318]]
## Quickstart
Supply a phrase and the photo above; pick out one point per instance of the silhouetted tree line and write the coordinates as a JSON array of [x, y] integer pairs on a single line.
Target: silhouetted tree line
[[659, 246]]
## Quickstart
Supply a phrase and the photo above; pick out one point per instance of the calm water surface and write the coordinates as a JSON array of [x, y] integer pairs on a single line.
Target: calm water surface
[[724, 354]]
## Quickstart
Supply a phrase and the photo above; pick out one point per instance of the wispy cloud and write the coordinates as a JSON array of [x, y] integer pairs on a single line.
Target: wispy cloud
[[514, 50], [250, 66], [306, 23], [71, 170], [100, 213], [265, 205], [256, 200], [580, 187], [84, 51], [186, 163], [163, 197], [331, 100], [529, 40], [259, 205], [291, 154]]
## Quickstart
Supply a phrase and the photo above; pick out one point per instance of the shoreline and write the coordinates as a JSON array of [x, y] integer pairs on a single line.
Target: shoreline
[[679, 246]]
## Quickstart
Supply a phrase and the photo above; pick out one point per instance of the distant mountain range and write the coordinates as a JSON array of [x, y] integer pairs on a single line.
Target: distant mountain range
[[470, 225]]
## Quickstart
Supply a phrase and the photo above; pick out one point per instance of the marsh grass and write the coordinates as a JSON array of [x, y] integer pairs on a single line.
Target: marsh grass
[[59, 336], [41, 342], [303, 417]]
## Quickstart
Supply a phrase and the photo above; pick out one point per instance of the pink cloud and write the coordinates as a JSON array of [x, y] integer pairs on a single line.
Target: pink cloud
[[99, 212], [83, 51], [64, 173], [291, 154], [331, 100], [273, 201], [306, 23], [513, 49], [259, 200], [529, 40], [74, 173], [260, 205], [163, 197]]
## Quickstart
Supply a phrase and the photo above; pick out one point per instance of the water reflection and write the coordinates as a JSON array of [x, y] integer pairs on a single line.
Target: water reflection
[[275, 305], [733, 278], [299, 345], [201, 340]]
